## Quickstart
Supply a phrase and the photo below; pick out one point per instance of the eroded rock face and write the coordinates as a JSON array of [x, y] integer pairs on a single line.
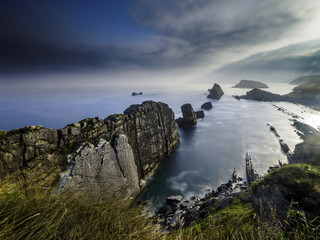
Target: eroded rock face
[[215, 92], [150, 129], [103, 169]]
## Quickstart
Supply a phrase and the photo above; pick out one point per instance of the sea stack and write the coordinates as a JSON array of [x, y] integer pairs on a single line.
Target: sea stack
[[215, 92], [189, 117]]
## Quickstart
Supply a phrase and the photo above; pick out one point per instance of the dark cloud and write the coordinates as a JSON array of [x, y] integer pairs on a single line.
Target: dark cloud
[[188, 33]]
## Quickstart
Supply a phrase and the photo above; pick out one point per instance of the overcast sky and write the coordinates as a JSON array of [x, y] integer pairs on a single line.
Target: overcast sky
[[202, 36]]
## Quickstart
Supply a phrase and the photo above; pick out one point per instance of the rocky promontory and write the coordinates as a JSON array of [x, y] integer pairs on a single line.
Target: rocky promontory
[[148, 130], [307, 93], [250, 84]]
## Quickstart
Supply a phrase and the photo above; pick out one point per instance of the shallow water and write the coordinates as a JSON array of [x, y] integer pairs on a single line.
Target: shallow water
[[207, 154]]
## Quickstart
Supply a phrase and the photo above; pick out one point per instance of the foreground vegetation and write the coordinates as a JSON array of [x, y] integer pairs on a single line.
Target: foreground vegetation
[[30, 213]]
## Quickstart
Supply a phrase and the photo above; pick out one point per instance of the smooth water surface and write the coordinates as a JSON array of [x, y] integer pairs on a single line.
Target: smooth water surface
[[207, 153]]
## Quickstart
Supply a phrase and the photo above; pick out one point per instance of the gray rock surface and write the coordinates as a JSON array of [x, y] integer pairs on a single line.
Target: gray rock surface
[[104, 169], [215, 92]]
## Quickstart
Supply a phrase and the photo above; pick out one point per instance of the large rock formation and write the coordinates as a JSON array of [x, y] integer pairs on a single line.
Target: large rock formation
[[250, 84], [41, 152], [189, 117], [104, 169], [215, 92], [308, 93]]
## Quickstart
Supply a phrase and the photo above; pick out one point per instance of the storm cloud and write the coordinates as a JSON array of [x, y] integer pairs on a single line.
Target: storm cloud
[[194, 33]]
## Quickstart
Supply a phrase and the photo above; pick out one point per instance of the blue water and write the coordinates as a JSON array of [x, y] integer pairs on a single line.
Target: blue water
[[206, 154]]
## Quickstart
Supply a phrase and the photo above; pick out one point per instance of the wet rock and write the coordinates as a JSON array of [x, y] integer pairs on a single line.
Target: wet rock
[[199, 114], [206, 106]]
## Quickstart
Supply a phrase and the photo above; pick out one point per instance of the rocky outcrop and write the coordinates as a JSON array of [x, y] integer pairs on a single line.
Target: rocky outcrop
[[150, 128], [189, 117], [250, 84], [215, 92], [105, 169], [206, 106], [261, 95], [308, 93]]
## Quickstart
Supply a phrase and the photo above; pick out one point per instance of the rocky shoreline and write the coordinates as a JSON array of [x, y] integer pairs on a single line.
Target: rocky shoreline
[[179, 213]]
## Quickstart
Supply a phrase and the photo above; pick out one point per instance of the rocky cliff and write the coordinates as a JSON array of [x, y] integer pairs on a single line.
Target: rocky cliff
[[41, 153]]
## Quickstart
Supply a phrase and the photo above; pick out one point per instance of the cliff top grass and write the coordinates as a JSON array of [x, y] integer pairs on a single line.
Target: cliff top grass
[[297, 182]]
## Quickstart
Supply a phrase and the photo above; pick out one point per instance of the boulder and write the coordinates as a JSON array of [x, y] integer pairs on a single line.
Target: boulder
[[199, 114], [206, 106], [215, 92]]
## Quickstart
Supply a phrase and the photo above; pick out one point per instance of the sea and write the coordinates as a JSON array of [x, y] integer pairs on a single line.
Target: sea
[[207, 153]]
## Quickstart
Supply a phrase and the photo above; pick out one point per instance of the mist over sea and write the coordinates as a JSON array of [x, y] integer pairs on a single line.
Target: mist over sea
[[207, 154]]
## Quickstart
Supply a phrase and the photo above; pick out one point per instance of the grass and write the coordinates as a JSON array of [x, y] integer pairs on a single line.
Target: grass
[[72, 217], [34, 213]]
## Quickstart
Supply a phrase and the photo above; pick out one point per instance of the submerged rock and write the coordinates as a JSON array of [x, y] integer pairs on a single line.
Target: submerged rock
[[215, 92]]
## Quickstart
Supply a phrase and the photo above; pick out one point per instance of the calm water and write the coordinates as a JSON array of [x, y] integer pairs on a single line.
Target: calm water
[[207, 153]]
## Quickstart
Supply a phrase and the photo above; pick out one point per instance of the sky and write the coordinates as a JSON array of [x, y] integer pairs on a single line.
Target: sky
[[152, 41]]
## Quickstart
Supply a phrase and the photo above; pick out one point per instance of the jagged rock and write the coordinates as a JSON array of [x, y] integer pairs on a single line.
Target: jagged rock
[[104, 169], [199, 114], [206, 106], [250, 84], [189, 117], [215, 92]]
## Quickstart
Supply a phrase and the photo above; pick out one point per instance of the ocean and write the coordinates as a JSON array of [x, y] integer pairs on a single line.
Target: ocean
[[207, 153]]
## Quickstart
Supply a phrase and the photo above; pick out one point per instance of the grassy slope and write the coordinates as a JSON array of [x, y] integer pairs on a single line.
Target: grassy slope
[[30, 214]]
